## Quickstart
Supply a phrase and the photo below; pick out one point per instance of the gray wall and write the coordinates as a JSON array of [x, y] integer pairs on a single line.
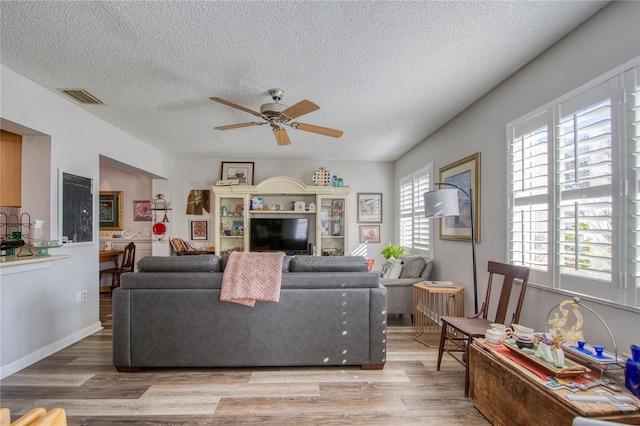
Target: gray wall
[[608, 40]]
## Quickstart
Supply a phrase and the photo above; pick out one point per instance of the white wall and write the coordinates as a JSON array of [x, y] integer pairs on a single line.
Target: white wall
[[39, 313], [361, 176], [606, 41]]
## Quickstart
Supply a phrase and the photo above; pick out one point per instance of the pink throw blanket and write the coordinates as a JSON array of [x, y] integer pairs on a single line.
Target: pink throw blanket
[[251, 276]]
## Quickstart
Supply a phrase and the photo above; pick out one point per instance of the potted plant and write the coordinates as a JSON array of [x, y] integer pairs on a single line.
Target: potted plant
[[392, 251]]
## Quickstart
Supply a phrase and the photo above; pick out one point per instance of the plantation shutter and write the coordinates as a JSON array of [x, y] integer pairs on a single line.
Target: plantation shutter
[[421, 182], [529, 192], [414, 226], [406, 212], [631, 262], [584, 183]]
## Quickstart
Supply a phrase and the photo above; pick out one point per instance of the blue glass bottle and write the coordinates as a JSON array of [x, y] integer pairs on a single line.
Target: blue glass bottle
[[632, 373]]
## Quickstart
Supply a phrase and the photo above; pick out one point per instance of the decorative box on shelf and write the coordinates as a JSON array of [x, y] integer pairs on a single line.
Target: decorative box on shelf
[[321, 177]]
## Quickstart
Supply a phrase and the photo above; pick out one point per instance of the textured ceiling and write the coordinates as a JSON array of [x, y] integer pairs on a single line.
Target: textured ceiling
[[386, 73]]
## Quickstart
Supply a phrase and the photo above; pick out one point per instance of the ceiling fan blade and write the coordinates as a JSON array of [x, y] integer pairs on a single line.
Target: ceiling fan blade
[[281, 137], [301, 108], [236, 106], [236, 126], [317, 129]]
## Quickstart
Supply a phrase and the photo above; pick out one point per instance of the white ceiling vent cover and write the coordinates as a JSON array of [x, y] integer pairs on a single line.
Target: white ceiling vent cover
[[82, 96]]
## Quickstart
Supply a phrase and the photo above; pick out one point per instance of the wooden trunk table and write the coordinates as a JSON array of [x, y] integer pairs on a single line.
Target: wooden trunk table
[[507, 393]]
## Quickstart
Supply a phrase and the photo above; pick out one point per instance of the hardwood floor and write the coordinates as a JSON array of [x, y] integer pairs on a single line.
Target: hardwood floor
[[408, 391]]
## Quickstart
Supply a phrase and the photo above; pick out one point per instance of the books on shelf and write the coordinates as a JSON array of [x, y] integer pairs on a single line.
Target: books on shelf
[[179, 245]]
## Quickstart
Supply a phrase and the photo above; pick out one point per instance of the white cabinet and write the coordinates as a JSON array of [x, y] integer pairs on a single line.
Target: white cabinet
[[332, 224], [324, 207]]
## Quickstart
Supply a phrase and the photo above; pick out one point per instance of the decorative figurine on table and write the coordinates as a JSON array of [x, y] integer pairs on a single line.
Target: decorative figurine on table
[[550, 348], [571, 334]]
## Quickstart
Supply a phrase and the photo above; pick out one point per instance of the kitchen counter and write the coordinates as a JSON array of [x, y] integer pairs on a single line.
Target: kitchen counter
[[12, 264]]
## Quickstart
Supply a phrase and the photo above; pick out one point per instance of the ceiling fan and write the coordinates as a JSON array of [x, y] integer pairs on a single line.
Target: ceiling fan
[[279, 115]]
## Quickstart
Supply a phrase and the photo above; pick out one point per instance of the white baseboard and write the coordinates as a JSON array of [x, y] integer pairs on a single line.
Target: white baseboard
[[33, 357]]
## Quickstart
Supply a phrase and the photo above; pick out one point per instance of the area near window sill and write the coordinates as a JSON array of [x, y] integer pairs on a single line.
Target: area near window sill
[[584, 297]]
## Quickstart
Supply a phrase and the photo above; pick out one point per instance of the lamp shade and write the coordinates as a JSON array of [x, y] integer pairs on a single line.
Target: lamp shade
[[441, 203]]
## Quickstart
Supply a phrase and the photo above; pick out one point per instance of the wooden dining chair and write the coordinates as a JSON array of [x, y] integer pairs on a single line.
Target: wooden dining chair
[[127, 264], [458, 332]]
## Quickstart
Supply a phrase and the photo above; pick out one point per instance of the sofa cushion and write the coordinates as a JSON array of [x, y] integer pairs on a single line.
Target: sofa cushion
[[202, 263], [329, 264], [285, 263], [412, 266]]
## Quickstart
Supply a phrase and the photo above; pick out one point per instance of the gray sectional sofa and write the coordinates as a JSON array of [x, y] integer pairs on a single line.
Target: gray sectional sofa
[[415, 269], [332, 311]]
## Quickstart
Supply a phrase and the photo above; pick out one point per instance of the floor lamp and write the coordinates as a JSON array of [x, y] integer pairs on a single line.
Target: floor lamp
[[443, 203]]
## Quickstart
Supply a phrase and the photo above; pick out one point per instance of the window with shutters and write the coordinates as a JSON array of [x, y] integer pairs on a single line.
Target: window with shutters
[[573, 190], [414, 226]]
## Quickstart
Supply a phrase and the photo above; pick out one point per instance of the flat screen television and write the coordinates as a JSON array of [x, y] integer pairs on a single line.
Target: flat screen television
[[279, 234]]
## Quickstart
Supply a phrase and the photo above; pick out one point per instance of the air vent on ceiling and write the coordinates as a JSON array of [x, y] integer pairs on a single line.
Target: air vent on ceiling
[[82, 96]]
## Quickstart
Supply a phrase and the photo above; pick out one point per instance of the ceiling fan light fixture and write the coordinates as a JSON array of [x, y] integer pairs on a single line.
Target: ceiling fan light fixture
[[279, 115], [272, 110]]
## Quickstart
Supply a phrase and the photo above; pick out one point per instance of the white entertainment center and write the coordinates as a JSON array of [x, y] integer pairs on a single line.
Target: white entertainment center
[[325, 207]]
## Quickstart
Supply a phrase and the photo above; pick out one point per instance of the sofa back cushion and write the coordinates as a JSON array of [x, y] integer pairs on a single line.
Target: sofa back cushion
[[416, 266], [202, 263], [329, 264], [285, 263]]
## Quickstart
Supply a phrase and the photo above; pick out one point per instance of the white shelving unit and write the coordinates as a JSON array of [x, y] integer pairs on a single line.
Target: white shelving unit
[[328, 224]]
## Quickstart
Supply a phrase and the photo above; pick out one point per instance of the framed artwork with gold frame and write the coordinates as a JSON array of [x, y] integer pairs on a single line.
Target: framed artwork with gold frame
[[464, 173], [110, 211]]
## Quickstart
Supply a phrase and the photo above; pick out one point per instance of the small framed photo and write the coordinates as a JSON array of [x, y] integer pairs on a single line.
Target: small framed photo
[[199, 230], [369, 233], [142, 210], [337, 207], [370, 207], [241, 171]]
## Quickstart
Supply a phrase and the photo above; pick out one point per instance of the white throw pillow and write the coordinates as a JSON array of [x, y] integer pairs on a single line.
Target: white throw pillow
[[392, 269]]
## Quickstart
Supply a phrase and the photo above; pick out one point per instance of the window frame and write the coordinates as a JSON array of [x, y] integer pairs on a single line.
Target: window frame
[[623, 289]]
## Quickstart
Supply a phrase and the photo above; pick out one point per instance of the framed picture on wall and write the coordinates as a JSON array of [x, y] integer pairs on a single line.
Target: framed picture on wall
[[199, 230], [369, 233], [142, 210], [464, 173], [370, 207], [110, 213], [241, 171], [76, 207]]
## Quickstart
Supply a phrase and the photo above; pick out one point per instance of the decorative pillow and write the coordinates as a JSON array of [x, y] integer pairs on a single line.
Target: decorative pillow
[[392, 269], [412, 266]]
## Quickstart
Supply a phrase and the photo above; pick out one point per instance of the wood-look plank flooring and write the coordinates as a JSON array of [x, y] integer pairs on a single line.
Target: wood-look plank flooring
[[408, 391]]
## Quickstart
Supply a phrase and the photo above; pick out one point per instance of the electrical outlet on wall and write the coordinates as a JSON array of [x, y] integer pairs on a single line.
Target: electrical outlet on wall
[[78, 297], [85, 295]]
